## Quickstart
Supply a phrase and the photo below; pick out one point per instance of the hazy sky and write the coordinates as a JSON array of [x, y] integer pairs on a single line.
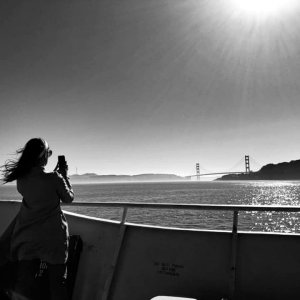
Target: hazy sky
[[145, 86]]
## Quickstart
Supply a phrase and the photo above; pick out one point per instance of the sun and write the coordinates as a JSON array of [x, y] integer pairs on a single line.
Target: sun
[[265, 8]]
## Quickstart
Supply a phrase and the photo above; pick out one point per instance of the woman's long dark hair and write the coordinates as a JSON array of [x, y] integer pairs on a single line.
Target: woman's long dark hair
[[32, 155]]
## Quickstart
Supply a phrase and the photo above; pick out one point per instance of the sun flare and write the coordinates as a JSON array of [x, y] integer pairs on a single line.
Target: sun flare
[[264, 7]]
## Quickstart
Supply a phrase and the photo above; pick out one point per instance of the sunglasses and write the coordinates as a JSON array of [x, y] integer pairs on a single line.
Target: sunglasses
[[49, 152]]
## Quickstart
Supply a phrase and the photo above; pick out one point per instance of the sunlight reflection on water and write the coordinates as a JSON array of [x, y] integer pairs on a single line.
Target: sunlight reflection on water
[[276, 193]]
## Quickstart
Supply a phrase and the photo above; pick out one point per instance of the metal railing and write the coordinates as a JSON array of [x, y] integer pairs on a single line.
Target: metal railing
[[221, 207], [212, 207]]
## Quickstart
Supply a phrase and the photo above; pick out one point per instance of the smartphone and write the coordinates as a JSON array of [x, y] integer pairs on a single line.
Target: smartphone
[[62, 162]]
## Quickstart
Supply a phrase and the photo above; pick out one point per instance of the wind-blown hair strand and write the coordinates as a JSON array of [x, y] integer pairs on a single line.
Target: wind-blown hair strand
[[33, 154]]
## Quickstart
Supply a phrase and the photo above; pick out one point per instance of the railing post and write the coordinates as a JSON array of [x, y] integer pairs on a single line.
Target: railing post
[[124, 215], [234, 240], [115, 259]]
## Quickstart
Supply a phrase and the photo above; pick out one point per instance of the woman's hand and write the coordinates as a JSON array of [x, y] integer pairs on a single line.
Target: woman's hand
[[62, 171]]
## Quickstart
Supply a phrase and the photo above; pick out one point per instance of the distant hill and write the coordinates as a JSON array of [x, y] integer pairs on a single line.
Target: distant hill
[[282, 171], [95, 178]]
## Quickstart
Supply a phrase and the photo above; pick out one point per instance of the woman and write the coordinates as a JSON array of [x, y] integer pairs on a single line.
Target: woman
[[40, 235]]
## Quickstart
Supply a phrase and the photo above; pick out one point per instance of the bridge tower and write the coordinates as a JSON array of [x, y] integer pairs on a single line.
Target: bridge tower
[[198, 171], [247, 164]]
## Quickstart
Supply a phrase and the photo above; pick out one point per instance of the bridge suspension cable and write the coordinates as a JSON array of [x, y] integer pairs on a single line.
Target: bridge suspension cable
[[204, 169], [238, 164], [256, 164]]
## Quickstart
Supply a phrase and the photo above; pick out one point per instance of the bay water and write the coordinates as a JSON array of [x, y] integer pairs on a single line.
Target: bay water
[[200, 192]]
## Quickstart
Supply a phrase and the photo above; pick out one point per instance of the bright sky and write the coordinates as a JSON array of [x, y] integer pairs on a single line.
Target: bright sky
[[151, 86]]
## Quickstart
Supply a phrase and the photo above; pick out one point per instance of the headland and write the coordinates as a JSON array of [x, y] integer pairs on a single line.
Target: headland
[[281, 171], [95, 178]]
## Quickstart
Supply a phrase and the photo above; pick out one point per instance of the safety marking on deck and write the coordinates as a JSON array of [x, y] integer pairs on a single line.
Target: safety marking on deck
[[167, 268]]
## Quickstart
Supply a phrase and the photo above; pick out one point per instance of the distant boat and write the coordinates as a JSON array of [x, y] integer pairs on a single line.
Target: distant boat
[[123, 261]]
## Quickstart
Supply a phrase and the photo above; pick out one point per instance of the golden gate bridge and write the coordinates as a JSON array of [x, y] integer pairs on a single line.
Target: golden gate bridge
[[198, 174]]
